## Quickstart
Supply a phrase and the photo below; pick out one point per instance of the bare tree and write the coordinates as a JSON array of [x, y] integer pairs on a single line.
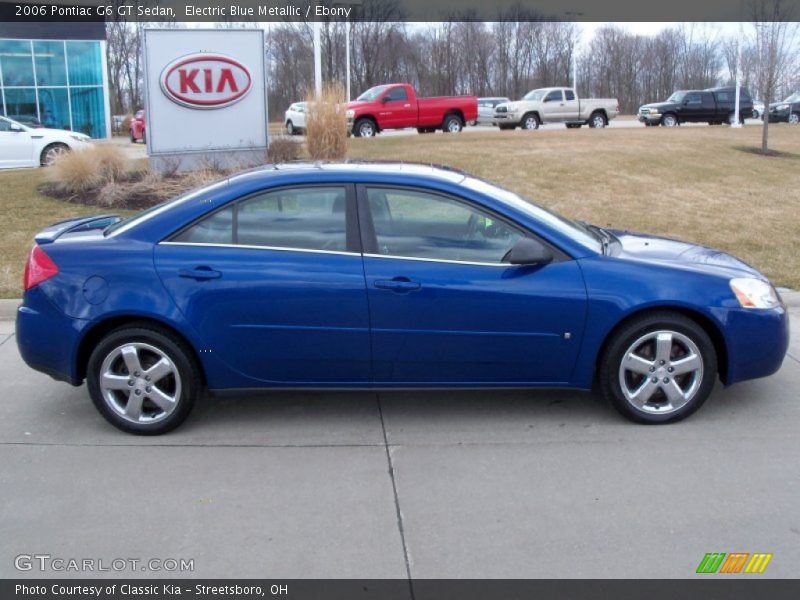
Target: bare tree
[[775, 42]]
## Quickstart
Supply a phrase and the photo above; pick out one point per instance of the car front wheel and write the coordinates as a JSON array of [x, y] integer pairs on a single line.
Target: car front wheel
[[143, 380], [530, 122], [794, 118], [51, 153], [658, 368], [669, 120]]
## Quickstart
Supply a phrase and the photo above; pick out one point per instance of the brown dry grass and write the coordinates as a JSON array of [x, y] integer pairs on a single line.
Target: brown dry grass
[[283, 148], [83, 170], [693, 183], [326, 124]]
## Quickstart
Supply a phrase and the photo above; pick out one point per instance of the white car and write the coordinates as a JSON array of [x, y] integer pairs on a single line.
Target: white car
[[295, 118], [22, 146]]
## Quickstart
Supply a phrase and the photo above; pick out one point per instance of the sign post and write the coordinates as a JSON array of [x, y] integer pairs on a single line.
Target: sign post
[[205, 98]]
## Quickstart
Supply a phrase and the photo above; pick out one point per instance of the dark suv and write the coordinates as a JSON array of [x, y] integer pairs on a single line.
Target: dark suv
[[786, 111], [714, 106]]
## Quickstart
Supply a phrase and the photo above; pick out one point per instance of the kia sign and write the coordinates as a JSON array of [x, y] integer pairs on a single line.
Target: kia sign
[[206, 81], [205, 97]]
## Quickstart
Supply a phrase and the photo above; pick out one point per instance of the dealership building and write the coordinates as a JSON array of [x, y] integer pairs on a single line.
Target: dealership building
[[55, 74]]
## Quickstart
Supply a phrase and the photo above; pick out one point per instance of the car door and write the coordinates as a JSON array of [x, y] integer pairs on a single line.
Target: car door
[[553, 109], [709, 108], [445, 309], [398, 111], [274, 285], [16, 146], [571, 106], [692, 109]]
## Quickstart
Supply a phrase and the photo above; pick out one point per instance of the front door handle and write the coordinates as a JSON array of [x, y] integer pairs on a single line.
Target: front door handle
[[398, 284], [200, 273]]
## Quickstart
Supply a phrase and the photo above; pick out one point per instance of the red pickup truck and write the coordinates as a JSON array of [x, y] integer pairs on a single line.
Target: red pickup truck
[[396, 106]]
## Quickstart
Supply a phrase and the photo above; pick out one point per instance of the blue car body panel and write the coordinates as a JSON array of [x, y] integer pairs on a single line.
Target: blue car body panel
[[281, 318]]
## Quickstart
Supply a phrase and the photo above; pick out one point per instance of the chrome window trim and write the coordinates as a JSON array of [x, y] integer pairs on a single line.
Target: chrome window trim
[[336, 252], [251, 247]]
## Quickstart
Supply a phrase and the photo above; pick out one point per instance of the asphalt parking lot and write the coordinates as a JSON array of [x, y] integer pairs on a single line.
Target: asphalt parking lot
[[469, 485]]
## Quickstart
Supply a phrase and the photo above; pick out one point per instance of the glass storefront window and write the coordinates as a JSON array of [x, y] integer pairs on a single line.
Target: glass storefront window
[[21, 104], [85, 63], [16, 62], [54, 108], [51, 68], [88, 111]]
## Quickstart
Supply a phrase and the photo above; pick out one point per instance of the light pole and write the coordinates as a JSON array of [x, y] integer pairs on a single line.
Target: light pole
[[736, 122], [347, 59], [317, 60]]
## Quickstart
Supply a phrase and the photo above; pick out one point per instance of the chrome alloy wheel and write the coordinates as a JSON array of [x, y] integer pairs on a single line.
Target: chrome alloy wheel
[[661, 372], [669, 121], [454, 126], [140, 383], [794, 118], [598, 121], [366, 129], [52, 153]]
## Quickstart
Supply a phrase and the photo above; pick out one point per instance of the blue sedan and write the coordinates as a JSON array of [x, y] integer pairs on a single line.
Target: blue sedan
[[379, 276]]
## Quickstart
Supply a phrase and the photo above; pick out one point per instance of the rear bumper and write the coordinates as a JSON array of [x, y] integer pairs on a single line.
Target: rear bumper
[[757, 341], [46, 338]]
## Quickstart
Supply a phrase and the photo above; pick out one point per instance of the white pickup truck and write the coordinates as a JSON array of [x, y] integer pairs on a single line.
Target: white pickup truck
[[555, 105]]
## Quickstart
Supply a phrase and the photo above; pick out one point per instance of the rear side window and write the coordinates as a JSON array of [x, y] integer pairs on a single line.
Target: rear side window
[[569, 94], [725, 97], [297, 218], [708, 100], [417, 224]]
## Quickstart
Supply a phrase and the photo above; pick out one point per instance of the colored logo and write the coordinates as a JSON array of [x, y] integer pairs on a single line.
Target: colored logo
[[735, 562], [206, 81]]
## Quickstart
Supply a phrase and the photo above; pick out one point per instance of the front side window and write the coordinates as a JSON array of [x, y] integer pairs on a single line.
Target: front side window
[[417, 224], [297, 218], [553, 96], [693, 98], [398, 93]]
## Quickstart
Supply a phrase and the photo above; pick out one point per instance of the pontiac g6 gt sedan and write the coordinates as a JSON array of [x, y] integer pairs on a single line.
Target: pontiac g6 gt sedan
[[374, 276]]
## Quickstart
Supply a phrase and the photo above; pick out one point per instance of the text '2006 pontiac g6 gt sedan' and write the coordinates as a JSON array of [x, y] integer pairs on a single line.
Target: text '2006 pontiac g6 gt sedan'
[[380, 276]]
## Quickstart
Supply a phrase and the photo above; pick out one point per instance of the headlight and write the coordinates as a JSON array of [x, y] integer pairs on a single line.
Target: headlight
[[754, 293], [350, 113]]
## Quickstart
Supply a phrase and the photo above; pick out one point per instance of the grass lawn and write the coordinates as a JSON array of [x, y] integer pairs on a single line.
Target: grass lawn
[[694, 183]]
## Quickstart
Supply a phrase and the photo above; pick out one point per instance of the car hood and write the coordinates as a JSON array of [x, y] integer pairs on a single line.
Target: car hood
[[46, 131], [512, 106], [650, 248], [356, 104], [658, 105], [777, 104]]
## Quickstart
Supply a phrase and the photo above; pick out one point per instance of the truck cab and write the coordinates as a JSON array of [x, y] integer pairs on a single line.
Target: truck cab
[[555, 105]]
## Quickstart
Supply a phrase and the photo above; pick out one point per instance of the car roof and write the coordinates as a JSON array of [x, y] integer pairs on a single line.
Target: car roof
[[355, 167]]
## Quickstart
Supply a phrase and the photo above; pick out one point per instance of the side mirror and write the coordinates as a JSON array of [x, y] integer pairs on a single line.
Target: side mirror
[[528, 251], [14, 127]]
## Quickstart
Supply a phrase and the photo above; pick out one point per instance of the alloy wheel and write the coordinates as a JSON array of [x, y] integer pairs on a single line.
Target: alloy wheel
[[661, 372], [52, 153], [140, 383], [598, 121], [794, 118], [366, 129]]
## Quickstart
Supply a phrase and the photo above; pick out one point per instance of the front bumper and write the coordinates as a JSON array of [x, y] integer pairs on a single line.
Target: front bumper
[[650, 118], [505, 118], [756, 341]]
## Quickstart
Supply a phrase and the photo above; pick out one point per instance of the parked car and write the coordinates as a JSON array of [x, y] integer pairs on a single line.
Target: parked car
[[139, 127], [486, 108], [787, 111], [396, 106], [390, 276], [23, 146], [27, 120], [714, 106], [555, 105], [294, 119], [758, 109]]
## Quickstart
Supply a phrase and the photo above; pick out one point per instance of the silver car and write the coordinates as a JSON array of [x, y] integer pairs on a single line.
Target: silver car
[[486, 110]]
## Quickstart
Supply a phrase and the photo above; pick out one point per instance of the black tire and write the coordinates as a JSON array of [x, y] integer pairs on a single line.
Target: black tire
[[598, 120], [794, 118], [422, 130], [190, 380], [363, 125], [290, 130], [665, 120], [574, 125], [452, 124], [627, 335], [530, 121], [502, 127], [51, 152]]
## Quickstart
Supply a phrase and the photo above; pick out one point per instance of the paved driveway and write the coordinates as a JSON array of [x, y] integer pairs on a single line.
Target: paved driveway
[[490, 484]]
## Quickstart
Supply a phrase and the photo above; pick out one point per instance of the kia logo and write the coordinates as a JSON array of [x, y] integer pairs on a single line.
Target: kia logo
[[205, 81]]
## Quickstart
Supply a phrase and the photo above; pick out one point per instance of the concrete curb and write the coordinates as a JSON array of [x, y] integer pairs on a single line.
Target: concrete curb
[[8, 307]]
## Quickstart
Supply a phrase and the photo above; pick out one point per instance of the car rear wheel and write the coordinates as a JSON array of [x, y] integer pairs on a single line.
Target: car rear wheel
[[669, 120], [794, 118], [51, 153], [598, 121], [290, 128], [143, 380], [452, 124], [530, 122], [659, 368]]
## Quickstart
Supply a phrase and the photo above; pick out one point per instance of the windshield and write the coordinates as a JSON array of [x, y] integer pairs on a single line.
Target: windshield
[[534, 95], [8, 122], [793, 98], [372, 93], [676, 97], [574, 231]]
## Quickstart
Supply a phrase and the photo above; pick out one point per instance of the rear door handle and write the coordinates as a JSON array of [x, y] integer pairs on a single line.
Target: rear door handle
[[398, 284], [199, 273]]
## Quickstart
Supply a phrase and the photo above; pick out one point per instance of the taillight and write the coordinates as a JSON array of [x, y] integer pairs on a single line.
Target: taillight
[[39, 268]]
